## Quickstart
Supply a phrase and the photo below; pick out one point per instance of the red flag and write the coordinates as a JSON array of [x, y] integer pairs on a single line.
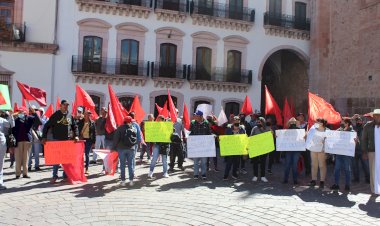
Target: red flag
[[137, 109], [49, 112], [115, 106], [75, 170], [83, 99], [58, 104], [110, 160], [94, 115], [165, 111], [110, 120], [15, 107], [287, 112], [2, 99], [319, 108], [247, 106], [271, 107], [172, 109], [159, 109], [74, 109], [32, 93], [186, 118], [123, 110]]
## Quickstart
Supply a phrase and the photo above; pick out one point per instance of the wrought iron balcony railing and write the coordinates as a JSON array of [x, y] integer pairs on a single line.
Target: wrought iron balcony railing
[[164, 70], [220, 74], [286, 21], [12, 32]]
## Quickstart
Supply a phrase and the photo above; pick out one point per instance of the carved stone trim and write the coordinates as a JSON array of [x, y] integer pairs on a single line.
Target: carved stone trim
[[219, 86], [113, 8], [112, 79], [238, 25], [287, 32], [170, 15], [29, 47], [168, 82]]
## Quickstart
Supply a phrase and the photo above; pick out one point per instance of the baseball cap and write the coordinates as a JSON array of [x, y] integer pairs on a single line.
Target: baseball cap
[[199, 113], [65, 102], [128, 119]]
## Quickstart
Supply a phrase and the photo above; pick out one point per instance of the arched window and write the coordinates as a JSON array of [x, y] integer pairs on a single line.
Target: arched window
[[161, 100], [236, 9], [233, 66], [129, 57], [92, 54], [232, 108], [203, 65], [96, 99], [198, 102], [168, 59]]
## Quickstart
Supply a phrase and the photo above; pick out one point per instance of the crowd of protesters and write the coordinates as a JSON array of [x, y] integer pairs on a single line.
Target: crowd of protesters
[[23, 134]]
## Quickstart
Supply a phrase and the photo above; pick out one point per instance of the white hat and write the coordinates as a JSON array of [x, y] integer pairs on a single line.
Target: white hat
[[42, 110], [376, 112]]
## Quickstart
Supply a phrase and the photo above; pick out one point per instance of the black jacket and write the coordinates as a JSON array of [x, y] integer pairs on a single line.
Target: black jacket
[[62, 125]]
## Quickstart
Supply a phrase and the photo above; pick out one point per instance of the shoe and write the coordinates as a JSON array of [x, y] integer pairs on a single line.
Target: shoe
[[335, 187], [150, 174], [270, 172], [204, 177], [234, 177], [86, 172], [196, 177], [37, 169], [254, 179], [122, 183], [92, 162], [284, 181], [29, 168], [347, 188], [131, 183], [243, 171], [166, 175], [264, 179], [216, 170], [17, 177], [322, 185], [171, 170], [26, 176], [312, 183], [225, 178], [53, 180], [2, 187]]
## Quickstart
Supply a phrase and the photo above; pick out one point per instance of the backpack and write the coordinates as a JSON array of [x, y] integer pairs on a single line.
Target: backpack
[[130, 136]]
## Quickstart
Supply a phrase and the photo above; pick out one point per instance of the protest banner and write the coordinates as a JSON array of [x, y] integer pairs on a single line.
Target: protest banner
[[315, 140], [4, 91], [110, 159], [290, 140], [158, 131], [201, 146], [233, 145], [260, 144], [340, 142], [60, 152]]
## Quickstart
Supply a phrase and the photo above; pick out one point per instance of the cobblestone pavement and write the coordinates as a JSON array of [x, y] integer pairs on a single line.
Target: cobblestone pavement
[[181, 200]]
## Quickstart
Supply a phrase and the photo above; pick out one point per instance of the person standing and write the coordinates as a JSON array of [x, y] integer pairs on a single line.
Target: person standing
[[87, 133], [358, 127], [22, 133], [199, 126], [5, 126], [136, 147], [36, 146], [371, 144], [148, 146], [63, 127], [100, 131], [291, 157], [261, 160], [302, 124]]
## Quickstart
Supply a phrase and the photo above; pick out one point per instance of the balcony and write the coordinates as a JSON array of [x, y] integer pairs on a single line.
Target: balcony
[[12, 32], [221, 15], [171, 10], [286, 26], [134, 8], [220, 79], [168, 75], [109, 70]]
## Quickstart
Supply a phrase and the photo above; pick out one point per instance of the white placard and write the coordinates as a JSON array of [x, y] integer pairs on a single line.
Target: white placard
[[315, 140], [340, 142], [290, 140], [201, 146]]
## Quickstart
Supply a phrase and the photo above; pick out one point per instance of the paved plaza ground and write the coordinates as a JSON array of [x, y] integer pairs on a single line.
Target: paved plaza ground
[[181, 200]]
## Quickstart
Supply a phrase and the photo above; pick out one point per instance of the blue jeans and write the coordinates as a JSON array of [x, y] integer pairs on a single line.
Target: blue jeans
[[127, 154], [134, 160], [355, 167], [156, 153], [36, 149], [55, 172], [145, 148], [87, 149], [342, 161], [291, 162], [203, 166]]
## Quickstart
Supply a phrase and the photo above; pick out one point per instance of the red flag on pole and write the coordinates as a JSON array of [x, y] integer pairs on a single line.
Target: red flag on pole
[[83, 99], [165, 111], [32, 93], [319, 108], [2, 99], [172, 109], [110, 120], [271, 107], [58, 104], [287, 112], [15, 107], [115, 106], [247, 106], [186, 117], [159, 109], [50, 111], [137, 109]]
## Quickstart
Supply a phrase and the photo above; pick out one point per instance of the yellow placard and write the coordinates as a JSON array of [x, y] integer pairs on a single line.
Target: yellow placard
[[158, 131], [260, 144], [233, 145]]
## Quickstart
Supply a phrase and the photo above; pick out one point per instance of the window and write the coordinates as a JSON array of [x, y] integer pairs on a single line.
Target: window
[[300, 15], [6, 12], [168, 58], [171, 5], [232, 108], [161, 100], [203, 63], [129, 57], [206, 7], [92, 54], [198, 102], [96, 100], [236, 9], [275, 8], [126, 102], [233, 66]]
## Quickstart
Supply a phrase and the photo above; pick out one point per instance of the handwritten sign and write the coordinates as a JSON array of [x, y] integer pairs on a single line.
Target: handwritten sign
[[61, 152], [340, 142], [158, 131], [201, 146], [290, 140], [260, 144], [315, 140], [233, 145]]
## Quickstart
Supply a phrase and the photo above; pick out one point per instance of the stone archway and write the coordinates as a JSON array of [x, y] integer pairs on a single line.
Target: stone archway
[[285, 72]]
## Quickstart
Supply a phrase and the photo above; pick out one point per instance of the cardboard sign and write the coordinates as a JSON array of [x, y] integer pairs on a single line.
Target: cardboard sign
[[62, 152], [201, 146], [233, 145], [260, 144], [340, 142], [158, 131], [290, 140]]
